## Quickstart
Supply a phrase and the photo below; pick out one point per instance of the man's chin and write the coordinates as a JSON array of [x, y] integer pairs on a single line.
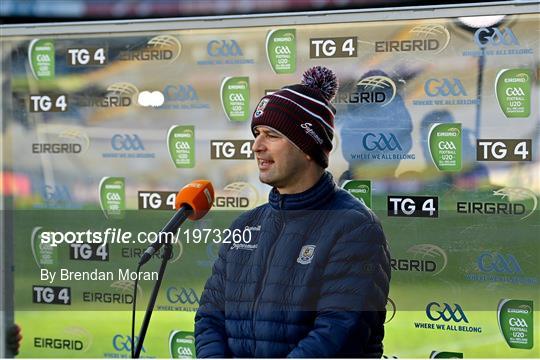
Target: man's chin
[[266, 179]]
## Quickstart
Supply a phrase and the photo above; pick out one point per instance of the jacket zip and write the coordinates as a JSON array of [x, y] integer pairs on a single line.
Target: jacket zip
[[266, 266]]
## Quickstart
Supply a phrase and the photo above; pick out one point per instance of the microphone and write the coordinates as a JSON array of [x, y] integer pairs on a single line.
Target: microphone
[[193, 201]]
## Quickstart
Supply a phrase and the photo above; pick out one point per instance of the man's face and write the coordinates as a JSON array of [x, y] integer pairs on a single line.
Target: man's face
[[281, 163]]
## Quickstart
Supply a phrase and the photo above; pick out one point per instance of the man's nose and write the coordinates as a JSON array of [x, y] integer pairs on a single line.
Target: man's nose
[[258, 144]]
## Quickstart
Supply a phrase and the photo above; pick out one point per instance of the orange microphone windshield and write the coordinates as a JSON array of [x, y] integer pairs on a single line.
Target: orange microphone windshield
[[199, 195]]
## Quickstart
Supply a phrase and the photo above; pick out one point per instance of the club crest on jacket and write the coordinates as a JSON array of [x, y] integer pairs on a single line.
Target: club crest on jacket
[[306, 254]]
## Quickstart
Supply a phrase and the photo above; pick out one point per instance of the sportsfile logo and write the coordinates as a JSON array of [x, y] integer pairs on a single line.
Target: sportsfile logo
[[444, 316], [127, 146], [422, 258], [494, 41], [224, 52], [422, 38], [377, 89], [445, 91], [159, 48]]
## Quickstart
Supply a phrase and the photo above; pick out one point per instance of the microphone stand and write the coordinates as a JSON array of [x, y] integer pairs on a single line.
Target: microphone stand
[[167, 252]]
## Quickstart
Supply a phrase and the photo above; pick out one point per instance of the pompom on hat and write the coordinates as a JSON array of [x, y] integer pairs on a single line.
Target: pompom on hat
[[303, 113]]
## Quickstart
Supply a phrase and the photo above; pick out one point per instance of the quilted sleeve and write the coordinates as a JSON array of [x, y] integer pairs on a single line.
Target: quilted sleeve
[[210, 336], [355, 286]]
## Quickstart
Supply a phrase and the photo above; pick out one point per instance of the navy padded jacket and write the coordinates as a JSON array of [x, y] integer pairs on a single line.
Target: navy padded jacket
[[313, 281]]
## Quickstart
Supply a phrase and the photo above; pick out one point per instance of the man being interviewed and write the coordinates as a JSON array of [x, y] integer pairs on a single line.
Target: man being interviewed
[[314, 280]]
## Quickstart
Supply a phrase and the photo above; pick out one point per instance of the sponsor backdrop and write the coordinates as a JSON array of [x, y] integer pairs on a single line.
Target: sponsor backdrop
[[437, 131]]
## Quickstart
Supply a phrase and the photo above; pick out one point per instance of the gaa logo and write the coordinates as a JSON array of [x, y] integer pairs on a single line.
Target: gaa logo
[[444, 87], [124, 343], [514, 91], [446, 145], [517, 322], [180, 93], [223, 48], [126, 142], [494, 37], [381, 142], [182, 145], [499, 263], [435, 311], [182, 295], [113, 196], [236, 97], [282, 50]]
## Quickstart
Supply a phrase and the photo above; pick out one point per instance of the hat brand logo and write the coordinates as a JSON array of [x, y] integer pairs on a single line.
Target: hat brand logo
[[260, 108], [307, 128]]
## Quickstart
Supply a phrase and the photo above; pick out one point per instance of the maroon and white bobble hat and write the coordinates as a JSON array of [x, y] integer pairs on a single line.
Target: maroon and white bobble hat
[[303, 113]]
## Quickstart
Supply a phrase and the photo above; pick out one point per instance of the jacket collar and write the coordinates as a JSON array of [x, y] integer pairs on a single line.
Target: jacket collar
[[313, 198]]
